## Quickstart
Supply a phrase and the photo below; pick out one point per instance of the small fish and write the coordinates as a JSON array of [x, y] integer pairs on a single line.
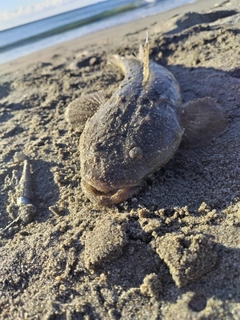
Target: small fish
[[138, 129]]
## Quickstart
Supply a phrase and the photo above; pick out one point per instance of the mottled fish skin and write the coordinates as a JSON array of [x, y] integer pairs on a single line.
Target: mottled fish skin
[[132, 134]]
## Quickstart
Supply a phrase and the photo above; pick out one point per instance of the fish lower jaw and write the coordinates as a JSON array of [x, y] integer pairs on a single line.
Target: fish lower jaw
[[109, 197]]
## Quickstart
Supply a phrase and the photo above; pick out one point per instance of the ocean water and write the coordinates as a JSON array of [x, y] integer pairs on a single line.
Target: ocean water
[[22, 40]]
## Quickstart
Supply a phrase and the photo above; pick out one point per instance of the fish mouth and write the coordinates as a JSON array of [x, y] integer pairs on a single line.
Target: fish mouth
[[106, 197]]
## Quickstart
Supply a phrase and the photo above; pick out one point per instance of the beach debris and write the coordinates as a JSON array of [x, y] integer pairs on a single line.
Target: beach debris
[[138, 130], [26, 214], [24, 192], [26, 210]]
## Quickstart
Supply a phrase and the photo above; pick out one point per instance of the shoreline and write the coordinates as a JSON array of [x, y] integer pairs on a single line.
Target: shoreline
[[107, 35]]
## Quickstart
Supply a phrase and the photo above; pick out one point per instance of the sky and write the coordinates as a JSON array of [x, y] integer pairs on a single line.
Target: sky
[[16, 12]]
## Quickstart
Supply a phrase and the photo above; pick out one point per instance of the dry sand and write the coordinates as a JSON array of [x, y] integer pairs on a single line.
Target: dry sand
[[171, 252]]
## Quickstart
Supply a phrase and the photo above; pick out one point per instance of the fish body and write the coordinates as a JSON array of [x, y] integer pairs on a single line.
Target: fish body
[[137, 130], [132, 134]]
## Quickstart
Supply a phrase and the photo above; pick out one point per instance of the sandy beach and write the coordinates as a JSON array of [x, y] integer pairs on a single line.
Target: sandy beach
[[170, 252]]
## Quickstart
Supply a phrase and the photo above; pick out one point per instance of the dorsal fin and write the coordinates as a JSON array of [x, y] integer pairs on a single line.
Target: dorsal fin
[[146, 60]]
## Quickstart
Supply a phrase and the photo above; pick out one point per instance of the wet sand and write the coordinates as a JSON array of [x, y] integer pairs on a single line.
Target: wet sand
[[170, 252]]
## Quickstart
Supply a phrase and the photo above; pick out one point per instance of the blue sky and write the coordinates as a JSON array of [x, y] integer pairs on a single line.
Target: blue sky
[[16, 12]]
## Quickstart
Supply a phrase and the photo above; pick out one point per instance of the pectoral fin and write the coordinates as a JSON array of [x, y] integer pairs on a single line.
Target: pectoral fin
[[83, 108], [202, 118]]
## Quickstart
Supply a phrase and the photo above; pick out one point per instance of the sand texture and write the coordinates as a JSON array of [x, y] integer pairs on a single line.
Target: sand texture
[[170, 252]]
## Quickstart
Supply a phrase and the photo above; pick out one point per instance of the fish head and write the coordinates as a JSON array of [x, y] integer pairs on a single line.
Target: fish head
[[119, 148]]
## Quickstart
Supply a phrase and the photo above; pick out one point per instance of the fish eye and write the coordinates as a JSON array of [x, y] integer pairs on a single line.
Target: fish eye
[[136, 153]]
